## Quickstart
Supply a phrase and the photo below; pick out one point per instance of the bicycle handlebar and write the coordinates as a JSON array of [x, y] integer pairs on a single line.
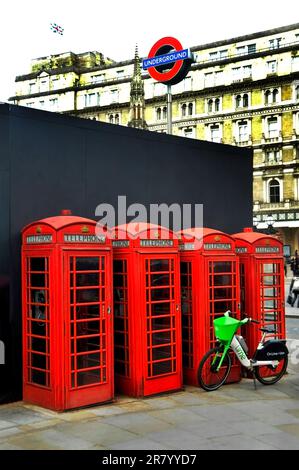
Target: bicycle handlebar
[[254, 321]]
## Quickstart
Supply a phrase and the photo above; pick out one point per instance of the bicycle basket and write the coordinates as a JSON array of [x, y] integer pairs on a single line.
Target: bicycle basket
[[225, 328]]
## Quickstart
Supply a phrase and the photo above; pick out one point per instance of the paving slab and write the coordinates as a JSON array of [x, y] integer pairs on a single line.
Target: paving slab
[[139, 423], [281, 440], [139, 444], [97, 432], [49, 439]]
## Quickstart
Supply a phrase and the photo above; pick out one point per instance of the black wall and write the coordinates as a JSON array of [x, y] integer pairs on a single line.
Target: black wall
[[50, 161]]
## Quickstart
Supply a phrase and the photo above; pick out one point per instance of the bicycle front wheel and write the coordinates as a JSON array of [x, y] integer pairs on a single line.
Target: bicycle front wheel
[[208, 377], [268, 375]]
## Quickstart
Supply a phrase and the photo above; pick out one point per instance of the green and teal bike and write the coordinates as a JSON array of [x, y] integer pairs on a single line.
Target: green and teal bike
[[268, 365]]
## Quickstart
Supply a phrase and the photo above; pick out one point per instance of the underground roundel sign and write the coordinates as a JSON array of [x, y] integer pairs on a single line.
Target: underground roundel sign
[[167, 61]]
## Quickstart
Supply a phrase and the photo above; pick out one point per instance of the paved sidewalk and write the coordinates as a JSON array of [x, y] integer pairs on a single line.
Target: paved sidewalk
[[234, 417]]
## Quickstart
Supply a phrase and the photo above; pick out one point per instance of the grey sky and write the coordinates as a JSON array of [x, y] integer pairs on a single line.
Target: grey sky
[[113, 27]]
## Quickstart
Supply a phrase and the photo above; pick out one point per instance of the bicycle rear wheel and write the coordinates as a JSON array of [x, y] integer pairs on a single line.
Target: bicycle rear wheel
[[268, 375], [208, 377]]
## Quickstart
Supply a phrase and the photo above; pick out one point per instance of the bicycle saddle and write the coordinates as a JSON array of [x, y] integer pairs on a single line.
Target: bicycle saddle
[[267, 330]]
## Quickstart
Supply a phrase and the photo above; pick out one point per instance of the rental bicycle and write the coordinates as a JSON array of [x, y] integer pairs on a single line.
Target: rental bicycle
[[268, 365]]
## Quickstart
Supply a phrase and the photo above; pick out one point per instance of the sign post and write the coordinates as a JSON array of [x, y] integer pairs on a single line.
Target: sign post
[[168, 63], [169, 110]]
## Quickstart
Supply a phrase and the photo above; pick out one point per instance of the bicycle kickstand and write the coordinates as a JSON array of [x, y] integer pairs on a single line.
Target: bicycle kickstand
[[254, 379]]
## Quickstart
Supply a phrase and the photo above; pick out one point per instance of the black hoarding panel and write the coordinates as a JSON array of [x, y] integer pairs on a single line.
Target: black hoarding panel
[[59, 162]]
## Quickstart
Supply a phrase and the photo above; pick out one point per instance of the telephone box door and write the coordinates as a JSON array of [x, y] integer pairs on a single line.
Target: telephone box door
[[162, 354], [270, 276], [88, 328]]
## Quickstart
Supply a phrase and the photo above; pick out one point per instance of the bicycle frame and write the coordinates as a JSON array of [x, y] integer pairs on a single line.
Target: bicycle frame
[[242, 356]]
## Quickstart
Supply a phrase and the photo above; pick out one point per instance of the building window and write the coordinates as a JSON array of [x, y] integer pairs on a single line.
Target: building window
[[114, 94], [30, 105], [295, 64], [41, 104], [161, 113], [238, 101], [274, 191], [184, 108], [209, 79], [43, 85], [120, 73], [32, 88], [97, 78], [271, 66], [273, 156], [214, 105], [190, 109], [247, 71], [275, 95], [218, 77], [243, 133], [297, 93], [92, 99], [216, 55], [53, 103], [242, 101], [273, 127], [237, 74], [188, 132], [274, 43], [271, 96], [215, 133], [114, 118], [248, 49], [55, 83], [251, 48]]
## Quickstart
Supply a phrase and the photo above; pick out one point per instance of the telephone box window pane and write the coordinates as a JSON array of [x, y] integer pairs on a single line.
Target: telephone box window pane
[[38, 280], [160, 280], [223, 280], [222, 267], [88, 344], [159, 265], [163, 367], [38, 264], [160, 294], [161, 353], [88, 360], [87, 296], [39, 361], [162, 323], [38, 328], [87, 311], [88, 279], [87, 264], [161, 338], [88, 328], [37, 344], [38, 377], [89, 377], [39, 297]]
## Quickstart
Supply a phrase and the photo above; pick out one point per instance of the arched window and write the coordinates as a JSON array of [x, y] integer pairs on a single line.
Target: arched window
[[217, 104], [274, 95], [116, 119], [184, 108], [190, 109], [245, 100], [210, 106], [274, 191], [297, 92], [111, 119], [267, 97], [238, 101], [158, 111], [164, 112]]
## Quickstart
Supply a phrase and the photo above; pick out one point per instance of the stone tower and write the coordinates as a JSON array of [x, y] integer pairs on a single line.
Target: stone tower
[[137, 104]]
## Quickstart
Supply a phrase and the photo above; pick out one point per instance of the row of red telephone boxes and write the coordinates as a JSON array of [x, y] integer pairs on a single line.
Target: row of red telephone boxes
[[134, 307]]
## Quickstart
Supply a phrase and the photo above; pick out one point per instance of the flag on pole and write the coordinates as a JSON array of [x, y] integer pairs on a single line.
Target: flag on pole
[[56, 28]]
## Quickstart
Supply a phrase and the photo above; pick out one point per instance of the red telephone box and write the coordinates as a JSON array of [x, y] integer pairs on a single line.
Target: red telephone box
[[209, 287], [147, 315], [262, 284], [67, 319]]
